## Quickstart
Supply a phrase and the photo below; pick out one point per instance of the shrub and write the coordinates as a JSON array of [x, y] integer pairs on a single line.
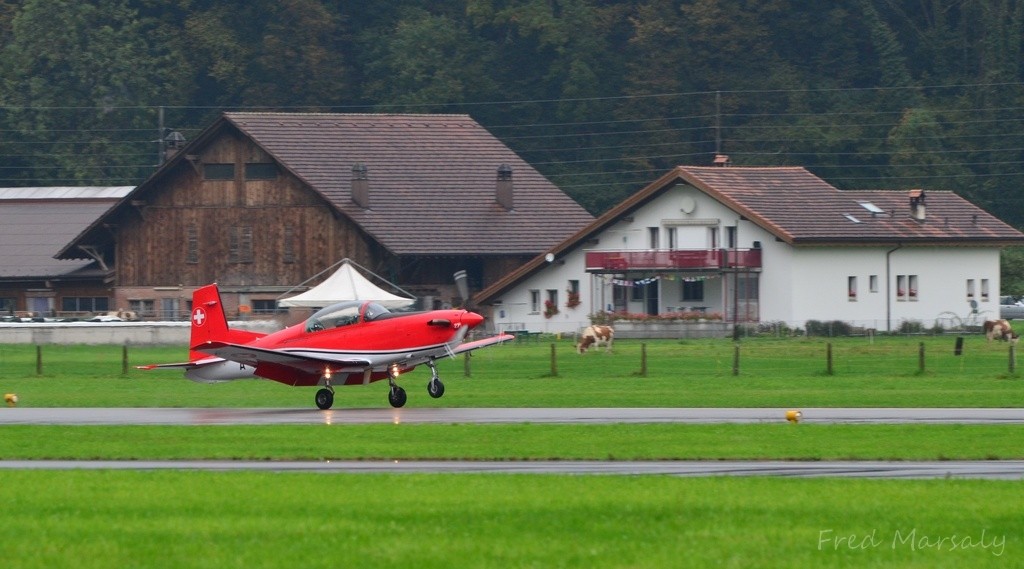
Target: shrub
[[832, 328]]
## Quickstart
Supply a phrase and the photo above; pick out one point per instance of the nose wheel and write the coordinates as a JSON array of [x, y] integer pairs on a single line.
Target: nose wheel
[[325, 398], [435, 388], [396, 395]]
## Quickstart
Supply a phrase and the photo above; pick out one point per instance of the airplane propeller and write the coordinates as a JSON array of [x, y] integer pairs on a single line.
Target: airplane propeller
[[462, 285]]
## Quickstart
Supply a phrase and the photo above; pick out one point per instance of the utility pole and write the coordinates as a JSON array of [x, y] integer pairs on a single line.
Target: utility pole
[[718, 122], [160, 137]]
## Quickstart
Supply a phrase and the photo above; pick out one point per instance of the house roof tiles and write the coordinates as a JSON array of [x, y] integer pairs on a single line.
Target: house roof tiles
[[432, 180], [801, 209]]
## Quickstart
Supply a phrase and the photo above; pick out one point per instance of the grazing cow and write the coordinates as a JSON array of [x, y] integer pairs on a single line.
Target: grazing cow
[[1000, 329], [595, 336]]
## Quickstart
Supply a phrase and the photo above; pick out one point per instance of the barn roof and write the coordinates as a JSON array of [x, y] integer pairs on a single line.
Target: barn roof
[[432, 180], [36, 222], [801, 209]]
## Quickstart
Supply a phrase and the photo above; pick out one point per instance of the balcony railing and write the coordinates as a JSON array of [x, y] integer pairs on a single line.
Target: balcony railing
[[664, 260]]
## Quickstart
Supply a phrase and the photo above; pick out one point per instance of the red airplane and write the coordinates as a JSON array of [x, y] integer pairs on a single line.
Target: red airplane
[[349, 343]]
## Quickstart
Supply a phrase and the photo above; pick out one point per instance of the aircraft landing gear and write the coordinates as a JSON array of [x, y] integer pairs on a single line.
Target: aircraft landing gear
[[396, 396], [325, 398], [435, 388]]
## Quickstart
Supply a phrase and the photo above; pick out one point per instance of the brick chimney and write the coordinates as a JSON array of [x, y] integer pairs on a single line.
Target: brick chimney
[[360, 186], [504, 187], [917, 205]]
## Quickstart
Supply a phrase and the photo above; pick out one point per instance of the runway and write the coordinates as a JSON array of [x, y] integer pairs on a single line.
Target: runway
[[995, 469], [987, 469], [292, 416]]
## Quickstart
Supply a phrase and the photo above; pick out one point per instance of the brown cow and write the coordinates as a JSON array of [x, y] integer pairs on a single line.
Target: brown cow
[[595, 336], [1000, 329]]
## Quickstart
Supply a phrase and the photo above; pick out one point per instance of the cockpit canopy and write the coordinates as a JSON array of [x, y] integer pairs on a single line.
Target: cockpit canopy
[[343, 314]]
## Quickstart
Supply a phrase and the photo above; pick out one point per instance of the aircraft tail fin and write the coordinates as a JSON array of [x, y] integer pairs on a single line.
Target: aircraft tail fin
[[210, 324]]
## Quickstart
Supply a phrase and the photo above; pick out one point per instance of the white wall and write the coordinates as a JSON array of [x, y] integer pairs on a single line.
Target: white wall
[[514, 311], [796, 283], [819, 277]]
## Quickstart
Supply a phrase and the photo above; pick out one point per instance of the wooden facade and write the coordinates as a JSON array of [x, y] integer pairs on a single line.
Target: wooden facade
[[265, 214]]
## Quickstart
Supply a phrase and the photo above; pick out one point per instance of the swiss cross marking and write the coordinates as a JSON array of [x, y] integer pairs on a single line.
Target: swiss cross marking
[[198, 316]]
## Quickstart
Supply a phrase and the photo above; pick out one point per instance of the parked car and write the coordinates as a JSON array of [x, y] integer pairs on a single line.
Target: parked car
[[1011, 308]]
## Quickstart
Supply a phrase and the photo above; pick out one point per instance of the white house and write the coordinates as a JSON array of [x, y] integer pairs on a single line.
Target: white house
[[766, 244]]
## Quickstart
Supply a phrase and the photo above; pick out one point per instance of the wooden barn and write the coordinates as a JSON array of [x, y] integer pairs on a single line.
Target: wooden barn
[[264, 202]]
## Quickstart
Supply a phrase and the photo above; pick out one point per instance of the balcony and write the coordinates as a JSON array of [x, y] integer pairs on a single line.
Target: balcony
[[676, 260]]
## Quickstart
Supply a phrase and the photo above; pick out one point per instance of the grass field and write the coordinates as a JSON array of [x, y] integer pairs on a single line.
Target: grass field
[[202, 519], [885, 372], [517, 442], [209, 519]]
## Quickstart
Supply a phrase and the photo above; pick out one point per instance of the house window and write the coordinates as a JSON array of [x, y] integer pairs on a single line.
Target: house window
[[168, 308], [574, 286], [901, 287], [712, 238], [218, 171], [984, 290], [873, 283], [673, 242], [693, 291], [970, 289], [6, 305], [653, 237], [192, 245], [730, 236], [240, 244], [851, 288], [143, 306], [553, 296], [535, 301], [912, 287], [289, 245], [261, 171], [81, 303], [264, 306]]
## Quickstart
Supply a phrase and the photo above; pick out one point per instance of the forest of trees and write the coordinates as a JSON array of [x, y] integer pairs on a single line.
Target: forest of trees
[[602, 96]]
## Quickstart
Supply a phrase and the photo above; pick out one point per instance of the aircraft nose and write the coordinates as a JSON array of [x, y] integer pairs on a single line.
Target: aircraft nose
[[471, 319]]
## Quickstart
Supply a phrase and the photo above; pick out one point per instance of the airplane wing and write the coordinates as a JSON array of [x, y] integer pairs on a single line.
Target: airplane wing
[[182, 365], [476, 344], [252, 356]]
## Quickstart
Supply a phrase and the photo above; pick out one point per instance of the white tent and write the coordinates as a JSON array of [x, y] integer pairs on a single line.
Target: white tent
[[345, 284]]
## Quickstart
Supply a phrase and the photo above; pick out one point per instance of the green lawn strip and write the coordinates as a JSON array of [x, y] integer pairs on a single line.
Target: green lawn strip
[[516, 442], [224, 520], [689, 373]]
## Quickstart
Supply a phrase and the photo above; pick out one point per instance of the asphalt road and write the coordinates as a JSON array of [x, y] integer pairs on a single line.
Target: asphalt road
[[268, 416]]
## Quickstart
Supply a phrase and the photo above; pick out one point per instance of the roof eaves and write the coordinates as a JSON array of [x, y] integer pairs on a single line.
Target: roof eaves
[[732, 203], [606, 220]]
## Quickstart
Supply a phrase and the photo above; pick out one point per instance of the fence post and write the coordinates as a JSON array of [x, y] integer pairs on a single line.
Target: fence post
[[1013, 358], [124, 359], [958, 349], [828, 358], [39, 360], [736, 359], [554, 363], [643, 360], [920, 357], [465, 365]]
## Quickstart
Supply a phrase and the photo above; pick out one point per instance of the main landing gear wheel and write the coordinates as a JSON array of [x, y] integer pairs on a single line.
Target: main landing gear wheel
[[396, 397], [324, 398]]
